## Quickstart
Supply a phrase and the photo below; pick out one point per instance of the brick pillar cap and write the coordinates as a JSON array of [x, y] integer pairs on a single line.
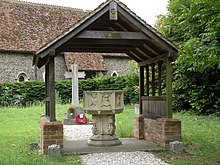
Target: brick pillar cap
[[44, 121]]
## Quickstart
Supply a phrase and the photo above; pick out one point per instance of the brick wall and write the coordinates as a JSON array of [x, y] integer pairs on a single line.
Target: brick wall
[[50, 133], [167, 130], [161, 131]]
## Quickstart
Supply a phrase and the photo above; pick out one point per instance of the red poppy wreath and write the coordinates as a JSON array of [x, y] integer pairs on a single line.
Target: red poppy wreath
[[81, 119]]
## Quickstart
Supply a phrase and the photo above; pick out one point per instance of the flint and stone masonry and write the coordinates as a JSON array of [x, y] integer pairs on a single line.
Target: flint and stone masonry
[[21, 62]]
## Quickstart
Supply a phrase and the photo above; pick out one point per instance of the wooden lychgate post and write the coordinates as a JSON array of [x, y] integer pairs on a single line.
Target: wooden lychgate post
[[50, 87]]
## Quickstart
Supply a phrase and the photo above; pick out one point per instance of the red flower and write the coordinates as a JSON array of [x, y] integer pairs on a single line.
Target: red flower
[[82, 120]]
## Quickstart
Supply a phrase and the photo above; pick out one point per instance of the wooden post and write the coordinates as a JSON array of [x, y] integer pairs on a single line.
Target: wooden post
[[141, 86], [153, 80], [159, 78], [147, 81], [52, 84], [168, 88], [47, 91]]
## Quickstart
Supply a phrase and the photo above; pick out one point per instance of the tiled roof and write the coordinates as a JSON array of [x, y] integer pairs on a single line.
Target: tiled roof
[[28, 26], [86, 61]]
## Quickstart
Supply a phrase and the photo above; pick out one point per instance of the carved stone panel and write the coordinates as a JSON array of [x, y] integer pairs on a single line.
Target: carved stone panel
[[104, 102]]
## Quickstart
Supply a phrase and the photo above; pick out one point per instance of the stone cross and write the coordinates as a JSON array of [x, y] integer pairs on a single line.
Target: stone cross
[[75, 90]]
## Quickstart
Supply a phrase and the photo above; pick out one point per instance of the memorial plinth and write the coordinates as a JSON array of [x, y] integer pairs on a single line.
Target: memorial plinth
[[103, 105]]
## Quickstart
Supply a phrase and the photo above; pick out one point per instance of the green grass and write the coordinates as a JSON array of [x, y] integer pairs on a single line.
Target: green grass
[[201, 137], [125, 122], [20, 126]]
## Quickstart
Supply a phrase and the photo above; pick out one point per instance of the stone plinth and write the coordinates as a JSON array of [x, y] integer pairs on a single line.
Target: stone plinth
[[103, 105], [72, 112]]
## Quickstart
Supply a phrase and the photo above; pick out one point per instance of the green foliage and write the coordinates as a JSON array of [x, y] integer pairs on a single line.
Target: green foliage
[[200, 135], [64, 90], [21, 94], [28, 93], [124, 126], [128, 83], [194, 25]]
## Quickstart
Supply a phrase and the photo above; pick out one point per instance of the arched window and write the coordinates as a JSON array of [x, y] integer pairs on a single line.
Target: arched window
[[114, 73], [22, 77]]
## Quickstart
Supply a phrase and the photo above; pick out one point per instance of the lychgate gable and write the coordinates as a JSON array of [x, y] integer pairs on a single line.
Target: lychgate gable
[[114, 28]]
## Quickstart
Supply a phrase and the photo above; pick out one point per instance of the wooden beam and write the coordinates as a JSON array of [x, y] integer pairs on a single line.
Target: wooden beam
[[92, 34], [147, 81], [42, 61], [147, 29], [135, 55], [156, 59], [72, 32], [159, 78], [168, 88], [98, 46], [149, 49], [47, 91], [143, 53], [96, 50], [153, 79], [94, 42], [51, 75], [141, 87]]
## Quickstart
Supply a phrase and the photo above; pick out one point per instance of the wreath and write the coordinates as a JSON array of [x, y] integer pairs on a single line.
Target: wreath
[[81, 120]]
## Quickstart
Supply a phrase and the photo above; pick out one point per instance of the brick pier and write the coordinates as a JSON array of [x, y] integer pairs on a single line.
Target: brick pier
[[50, 133], [161, 131]]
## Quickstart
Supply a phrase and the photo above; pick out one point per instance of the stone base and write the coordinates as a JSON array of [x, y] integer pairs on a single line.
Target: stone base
[[104, 140], [69, 122]]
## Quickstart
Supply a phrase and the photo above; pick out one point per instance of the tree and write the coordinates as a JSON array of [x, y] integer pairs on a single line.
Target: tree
[[194, 26]]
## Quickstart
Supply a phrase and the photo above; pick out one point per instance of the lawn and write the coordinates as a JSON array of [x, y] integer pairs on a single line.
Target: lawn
[[20, 126], [201, 137]]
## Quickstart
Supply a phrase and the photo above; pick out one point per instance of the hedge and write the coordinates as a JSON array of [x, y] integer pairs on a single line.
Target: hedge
[[33, 92]]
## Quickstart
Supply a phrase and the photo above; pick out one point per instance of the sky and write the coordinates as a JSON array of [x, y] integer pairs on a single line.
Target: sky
[[146, 9]]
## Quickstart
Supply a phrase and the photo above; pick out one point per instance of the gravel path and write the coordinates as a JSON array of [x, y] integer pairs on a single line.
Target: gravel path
[[77, 132], [122, 158], [84, 132]]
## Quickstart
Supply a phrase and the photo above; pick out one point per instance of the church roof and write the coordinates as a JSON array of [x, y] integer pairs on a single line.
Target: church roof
[[26, 26], [86, 61]]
